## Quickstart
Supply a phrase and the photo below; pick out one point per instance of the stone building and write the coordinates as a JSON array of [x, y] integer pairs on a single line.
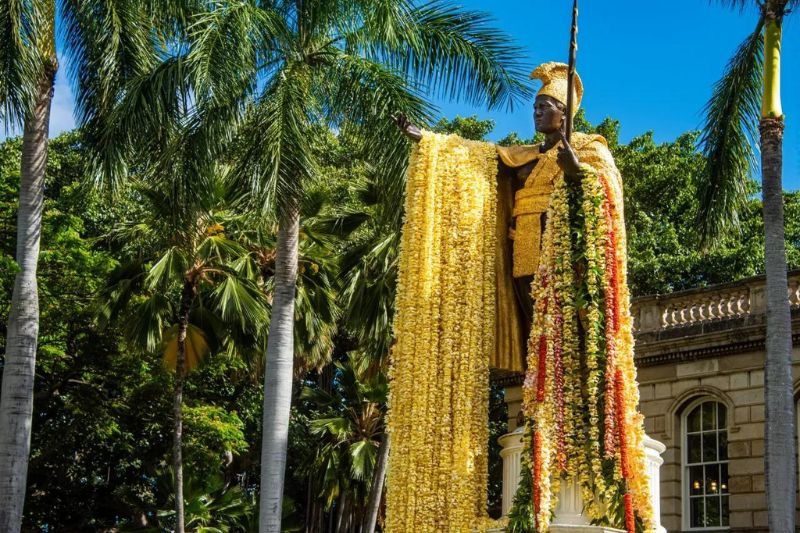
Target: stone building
[[700, 357]]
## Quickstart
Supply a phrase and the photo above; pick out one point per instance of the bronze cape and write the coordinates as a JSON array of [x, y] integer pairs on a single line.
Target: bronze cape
[[520, 223]]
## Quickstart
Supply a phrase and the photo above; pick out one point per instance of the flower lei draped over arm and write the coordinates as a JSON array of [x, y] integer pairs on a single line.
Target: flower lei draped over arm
[[580, 395], [445, 333]]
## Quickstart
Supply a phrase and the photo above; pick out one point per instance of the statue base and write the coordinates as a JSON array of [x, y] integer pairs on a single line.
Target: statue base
[[569, 517]]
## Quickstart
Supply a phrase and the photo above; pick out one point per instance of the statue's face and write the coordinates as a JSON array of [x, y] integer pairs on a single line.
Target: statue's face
[[548, 114]]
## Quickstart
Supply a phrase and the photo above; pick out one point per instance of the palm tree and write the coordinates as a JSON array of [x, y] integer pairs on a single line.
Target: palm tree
[[316, 305], [344, 62], [99, 60], [212, 505], [752, 82], [189, 282], [349, 425]]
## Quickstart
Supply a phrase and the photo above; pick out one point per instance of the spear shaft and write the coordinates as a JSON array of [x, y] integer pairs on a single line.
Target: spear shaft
[[573, 52]]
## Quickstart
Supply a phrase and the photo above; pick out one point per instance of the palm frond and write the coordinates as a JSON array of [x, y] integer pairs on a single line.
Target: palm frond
[[108, 43], [338, 427], [245, 267], [218, 249], [20, 65], [196, 347], [228, 43], [241, 302], [729, 136], [148, 321], [320, 397], [366, 95], [142, 121], [168, 269], [370, 273], [123, 283], [457, 53], [363, 455], [276, 157]]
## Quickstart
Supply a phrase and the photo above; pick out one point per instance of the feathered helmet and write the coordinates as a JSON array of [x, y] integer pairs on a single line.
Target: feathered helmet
[[554, 83]]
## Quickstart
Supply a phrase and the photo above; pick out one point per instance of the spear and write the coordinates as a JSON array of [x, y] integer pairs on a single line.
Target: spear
[[573, 52]]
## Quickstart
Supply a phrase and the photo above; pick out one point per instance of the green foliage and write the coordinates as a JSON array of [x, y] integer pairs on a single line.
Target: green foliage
[[102, 420], [664, 242], [212, 506], [173, 242], [208, 429], [469, 128], [347, 423], [520, 516]]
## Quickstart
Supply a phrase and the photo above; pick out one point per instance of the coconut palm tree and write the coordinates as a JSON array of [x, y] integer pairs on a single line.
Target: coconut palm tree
[[103, 43], [744, 111], [189, 282], [294, 63]]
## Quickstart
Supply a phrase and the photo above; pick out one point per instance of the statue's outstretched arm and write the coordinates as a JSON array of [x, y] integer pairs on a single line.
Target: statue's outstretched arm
[[409, 130]]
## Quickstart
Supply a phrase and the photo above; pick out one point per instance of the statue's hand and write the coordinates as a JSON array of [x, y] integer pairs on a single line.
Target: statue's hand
[[409, 130], [567, 159]]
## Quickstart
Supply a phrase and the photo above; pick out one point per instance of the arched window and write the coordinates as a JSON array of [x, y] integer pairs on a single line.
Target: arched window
[[705, 465]]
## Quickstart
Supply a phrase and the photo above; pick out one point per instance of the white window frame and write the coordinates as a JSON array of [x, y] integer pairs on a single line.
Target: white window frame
[[685, 498]]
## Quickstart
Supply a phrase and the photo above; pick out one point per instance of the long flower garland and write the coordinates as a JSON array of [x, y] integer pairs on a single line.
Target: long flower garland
[[583, 409], [444, 330]]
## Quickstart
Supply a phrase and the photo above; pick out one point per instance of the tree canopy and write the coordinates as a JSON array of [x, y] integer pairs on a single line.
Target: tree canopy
[[103, 403]]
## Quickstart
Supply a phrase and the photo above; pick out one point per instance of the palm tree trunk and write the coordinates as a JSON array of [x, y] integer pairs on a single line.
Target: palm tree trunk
[[177, 430], [341, 506], [780, 459], [278, 374], [16, 403], [310, 507], [376, 491]]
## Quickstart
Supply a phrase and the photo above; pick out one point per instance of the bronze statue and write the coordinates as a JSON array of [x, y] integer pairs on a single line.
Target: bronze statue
[[525, 181]]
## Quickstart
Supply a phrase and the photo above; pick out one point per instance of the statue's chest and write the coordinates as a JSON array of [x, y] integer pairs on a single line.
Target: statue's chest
[[541, 173], [544, 171]]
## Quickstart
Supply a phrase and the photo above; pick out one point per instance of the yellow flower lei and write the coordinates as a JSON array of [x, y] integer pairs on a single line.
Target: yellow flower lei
[[444, 330]]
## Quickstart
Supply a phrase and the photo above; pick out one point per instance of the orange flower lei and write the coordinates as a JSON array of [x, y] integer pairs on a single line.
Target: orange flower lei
[[560, 415]]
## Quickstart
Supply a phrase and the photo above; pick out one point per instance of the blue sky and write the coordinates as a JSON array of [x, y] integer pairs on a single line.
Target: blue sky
[[650, 65]]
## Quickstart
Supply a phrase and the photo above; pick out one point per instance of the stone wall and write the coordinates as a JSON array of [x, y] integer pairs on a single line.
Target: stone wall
[[738, 382], [709, 343]]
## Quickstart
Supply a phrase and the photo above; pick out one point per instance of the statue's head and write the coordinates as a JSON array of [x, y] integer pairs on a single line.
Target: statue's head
[[550, 105], [548, 114]]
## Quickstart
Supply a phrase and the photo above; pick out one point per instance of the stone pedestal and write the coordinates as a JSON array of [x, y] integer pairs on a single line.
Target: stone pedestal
[[569, 516], [569, 509], [653, 450], [512, 466]]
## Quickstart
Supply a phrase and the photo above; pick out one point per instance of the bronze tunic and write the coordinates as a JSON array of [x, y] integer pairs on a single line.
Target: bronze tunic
[[519, 231]]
